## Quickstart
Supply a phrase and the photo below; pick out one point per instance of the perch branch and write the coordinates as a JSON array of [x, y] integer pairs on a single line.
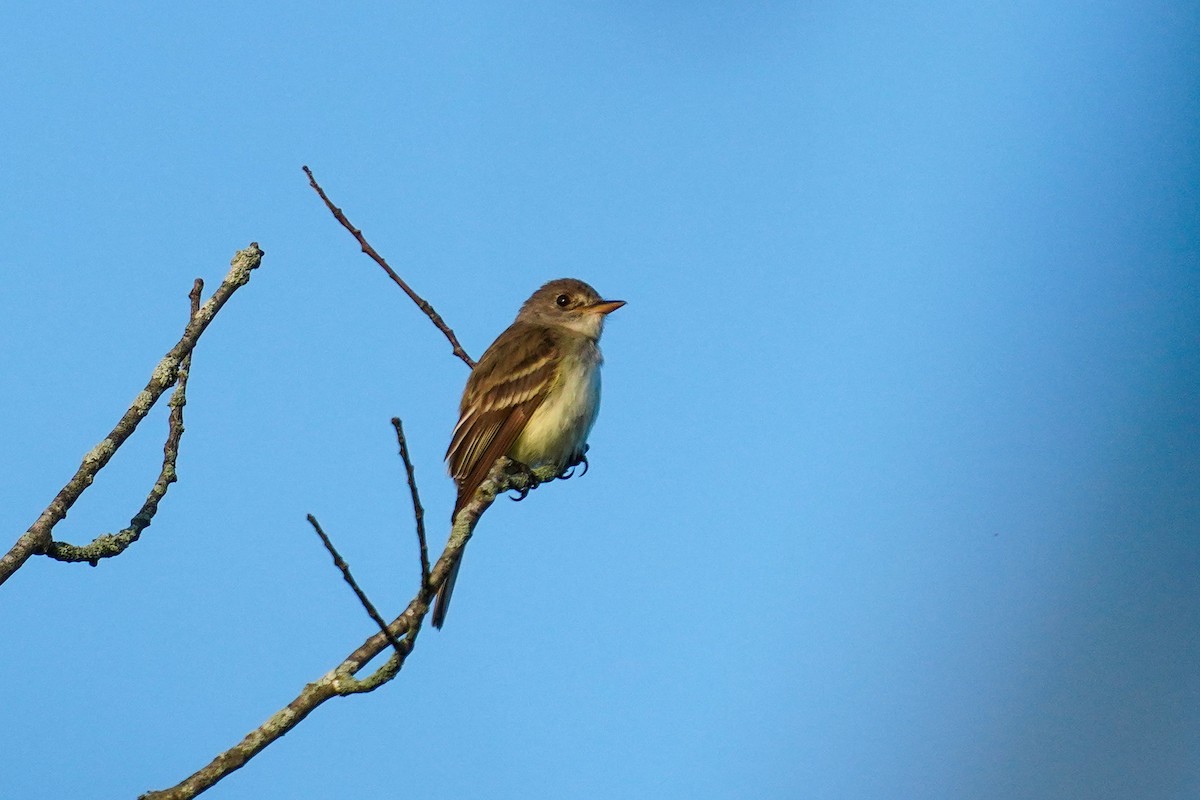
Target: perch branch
[[39, 538], [378, 259], [340, 680]]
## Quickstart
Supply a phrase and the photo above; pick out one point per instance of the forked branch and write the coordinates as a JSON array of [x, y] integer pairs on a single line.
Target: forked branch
[[172, 369], [341, 679], [113, 544]]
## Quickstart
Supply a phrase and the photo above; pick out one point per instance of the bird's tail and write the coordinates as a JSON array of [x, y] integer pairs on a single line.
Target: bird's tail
[[442, 603]]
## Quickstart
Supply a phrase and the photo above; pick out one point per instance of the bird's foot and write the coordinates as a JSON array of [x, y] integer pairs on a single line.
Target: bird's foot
[[530, 480], [523, 479]]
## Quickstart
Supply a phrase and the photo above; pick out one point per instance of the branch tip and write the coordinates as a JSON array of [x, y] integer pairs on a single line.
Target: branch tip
[[418, 510], [366, 247], [341, 564]]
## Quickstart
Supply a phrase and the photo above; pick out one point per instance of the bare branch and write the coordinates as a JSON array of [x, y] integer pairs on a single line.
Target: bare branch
[[341, 564], [370, 251], [340, 680], [38, 539], [113, 544], [418, 511]]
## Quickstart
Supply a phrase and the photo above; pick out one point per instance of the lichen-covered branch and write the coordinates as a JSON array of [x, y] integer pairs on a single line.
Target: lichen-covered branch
[[422, 304], [341, 679], [112, 544], [39, 538]]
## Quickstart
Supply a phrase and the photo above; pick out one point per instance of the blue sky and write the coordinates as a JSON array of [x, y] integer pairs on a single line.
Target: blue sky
[[895, 491]]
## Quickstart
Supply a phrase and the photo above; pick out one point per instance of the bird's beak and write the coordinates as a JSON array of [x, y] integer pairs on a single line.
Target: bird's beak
[[605, 306]]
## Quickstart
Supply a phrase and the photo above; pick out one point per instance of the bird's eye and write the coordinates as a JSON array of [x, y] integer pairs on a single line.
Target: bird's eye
[[562, 301]]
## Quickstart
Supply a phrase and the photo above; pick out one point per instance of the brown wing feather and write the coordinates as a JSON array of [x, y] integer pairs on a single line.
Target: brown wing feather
[[505, 388], [505, 435]]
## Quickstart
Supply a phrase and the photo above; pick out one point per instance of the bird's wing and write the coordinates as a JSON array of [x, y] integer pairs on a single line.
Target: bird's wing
[[498, 402]]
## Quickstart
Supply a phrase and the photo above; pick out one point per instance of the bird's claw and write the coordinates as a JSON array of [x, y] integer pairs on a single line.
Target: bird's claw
[[532, 482], [569, 471]]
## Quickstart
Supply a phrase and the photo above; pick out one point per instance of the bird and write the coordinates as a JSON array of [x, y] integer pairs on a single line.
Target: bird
[[533, 396]]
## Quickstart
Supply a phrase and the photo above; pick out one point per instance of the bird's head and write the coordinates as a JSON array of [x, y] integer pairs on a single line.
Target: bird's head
[[569, 303]]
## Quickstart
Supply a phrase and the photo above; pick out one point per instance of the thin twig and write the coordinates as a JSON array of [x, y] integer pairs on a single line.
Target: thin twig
[[113, 544], [39, 538], [370, 251], [340, 680], [341, 564], [418, 511]]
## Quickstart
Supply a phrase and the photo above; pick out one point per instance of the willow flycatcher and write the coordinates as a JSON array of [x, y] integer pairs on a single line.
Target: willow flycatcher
[[532, 397]]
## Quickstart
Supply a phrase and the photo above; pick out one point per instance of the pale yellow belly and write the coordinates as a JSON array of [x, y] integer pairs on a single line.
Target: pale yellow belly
[[558, 430]]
